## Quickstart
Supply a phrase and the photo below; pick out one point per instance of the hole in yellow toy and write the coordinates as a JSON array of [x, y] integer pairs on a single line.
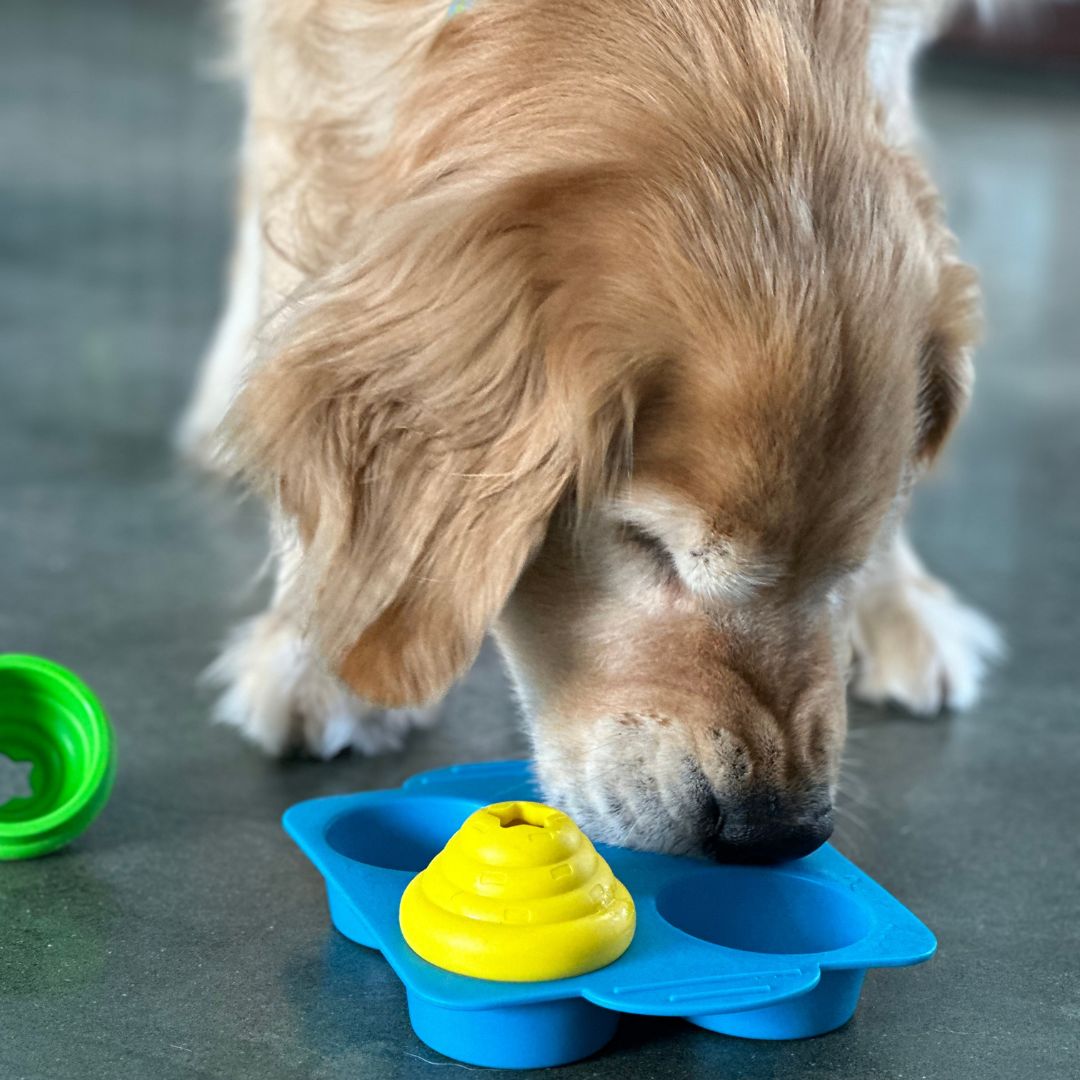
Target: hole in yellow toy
[[513, 814]]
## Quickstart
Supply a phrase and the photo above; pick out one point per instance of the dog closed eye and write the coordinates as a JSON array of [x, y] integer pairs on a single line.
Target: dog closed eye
[[651, 545]]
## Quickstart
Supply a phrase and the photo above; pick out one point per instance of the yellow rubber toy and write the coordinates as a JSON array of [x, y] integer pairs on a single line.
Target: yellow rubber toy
[[519, 894]]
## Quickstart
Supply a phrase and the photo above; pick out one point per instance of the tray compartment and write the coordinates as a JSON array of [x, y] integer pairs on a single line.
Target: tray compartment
[[764, 911], [400, 833], [533, 1036], [828, 1006], [801, 917]]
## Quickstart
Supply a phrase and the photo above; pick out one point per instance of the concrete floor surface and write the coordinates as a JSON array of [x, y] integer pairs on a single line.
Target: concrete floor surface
[[184, 936]]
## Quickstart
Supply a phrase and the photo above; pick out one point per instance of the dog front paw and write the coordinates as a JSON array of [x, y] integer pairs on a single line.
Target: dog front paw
[[918, 646], [278, 694]]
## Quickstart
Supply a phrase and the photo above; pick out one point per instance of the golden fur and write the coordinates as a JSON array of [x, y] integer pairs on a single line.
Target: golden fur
[[623, 327]]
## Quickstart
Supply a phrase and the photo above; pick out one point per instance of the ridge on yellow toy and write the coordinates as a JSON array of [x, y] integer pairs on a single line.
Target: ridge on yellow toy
[[519, 894]]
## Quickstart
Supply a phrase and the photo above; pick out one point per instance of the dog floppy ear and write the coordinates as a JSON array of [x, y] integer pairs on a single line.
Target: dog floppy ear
[[946, 370], [407, 420]]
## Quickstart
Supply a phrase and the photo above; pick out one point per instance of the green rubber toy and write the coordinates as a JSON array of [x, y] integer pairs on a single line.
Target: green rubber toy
[[53, 729]]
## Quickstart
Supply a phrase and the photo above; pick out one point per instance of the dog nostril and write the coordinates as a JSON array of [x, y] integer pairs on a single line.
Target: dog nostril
[[766, 830]]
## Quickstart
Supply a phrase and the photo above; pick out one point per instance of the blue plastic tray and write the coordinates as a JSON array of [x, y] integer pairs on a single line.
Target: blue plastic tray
[[761, 952]]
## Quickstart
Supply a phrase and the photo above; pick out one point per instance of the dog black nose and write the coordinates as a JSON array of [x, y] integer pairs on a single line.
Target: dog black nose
[[766, 827]]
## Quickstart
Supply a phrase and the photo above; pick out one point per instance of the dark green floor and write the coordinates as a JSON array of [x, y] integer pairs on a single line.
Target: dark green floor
[[184, 936]]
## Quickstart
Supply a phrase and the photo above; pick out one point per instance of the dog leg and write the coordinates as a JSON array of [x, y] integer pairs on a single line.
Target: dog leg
[[223, 365], [901, 29], [915, 643], [278, 692], [281, 697]]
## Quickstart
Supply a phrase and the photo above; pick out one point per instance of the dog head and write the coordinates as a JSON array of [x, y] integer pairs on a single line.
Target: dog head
[[645, 408]]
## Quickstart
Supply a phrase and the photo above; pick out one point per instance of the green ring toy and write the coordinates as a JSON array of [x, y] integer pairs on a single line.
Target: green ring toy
[[52, 720]]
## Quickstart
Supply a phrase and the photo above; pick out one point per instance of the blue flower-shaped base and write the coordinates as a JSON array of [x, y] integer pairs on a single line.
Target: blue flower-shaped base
[[761, 952]]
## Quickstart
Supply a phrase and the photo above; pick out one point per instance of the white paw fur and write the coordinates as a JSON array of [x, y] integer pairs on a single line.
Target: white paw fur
[[918, 646], [278, 694]]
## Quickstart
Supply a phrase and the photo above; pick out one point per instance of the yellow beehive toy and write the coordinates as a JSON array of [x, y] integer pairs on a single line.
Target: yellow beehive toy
[[519, 894]]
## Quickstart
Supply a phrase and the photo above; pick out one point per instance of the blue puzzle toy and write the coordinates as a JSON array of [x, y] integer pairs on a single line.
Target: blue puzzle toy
[[760, 952]]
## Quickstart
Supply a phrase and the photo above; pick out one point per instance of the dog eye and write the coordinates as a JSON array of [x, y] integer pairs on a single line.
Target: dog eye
[[652, 545]]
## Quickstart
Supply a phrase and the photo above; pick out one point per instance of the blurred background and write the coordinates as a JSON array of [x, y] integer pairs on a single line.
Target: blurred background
[[183, 936]]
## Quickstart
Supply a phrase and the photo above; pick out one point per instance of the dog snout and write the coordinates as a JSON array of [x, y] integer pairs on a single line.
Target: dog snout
[[766, 827]]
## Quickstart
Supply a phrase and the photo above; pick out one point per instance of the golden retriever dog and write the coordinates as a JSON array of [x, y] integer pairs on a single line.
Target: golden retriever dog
[[618, 328]]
